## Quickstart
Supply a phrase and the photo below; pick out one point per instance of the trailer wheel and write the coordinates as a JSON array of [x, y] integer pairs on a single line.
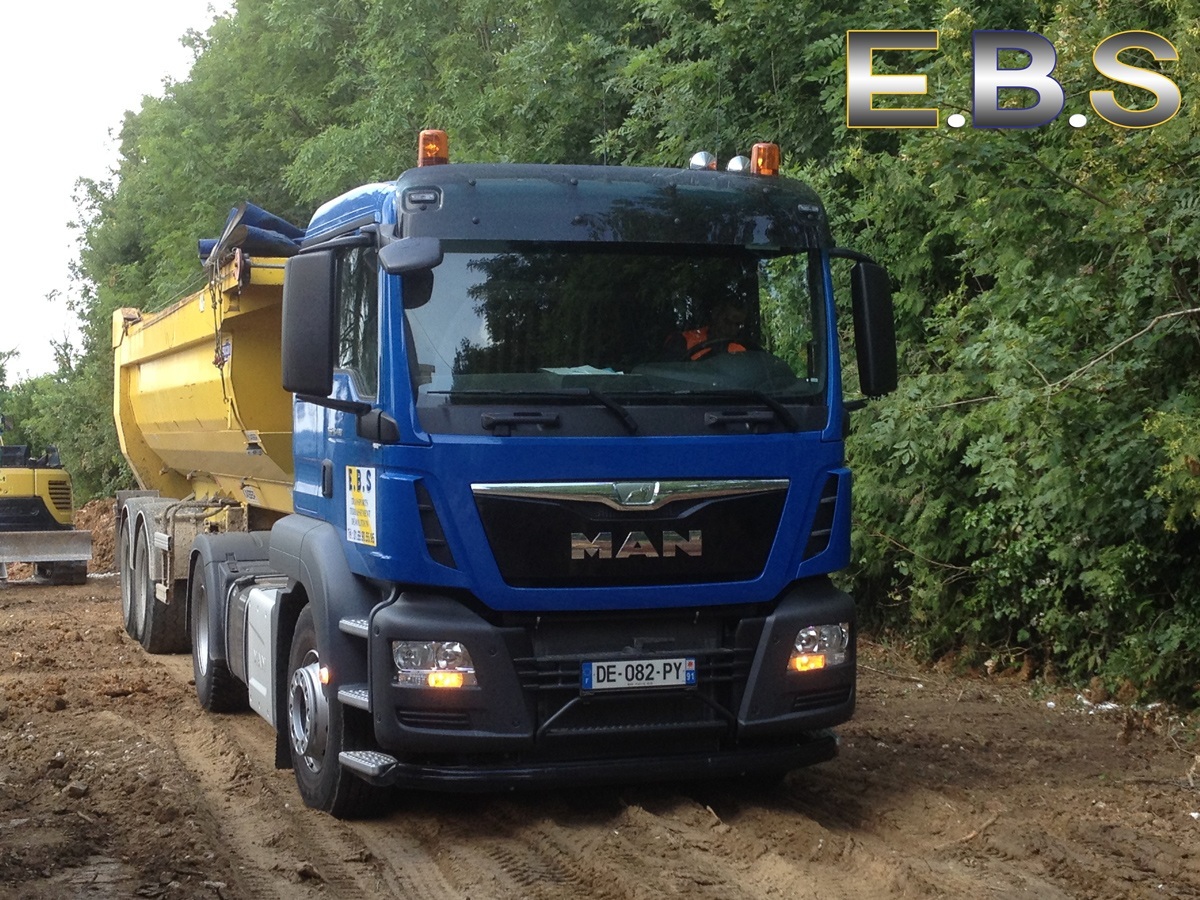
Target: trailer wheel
[[319, 728], [162, 625], [138, 581], [125, 568], [216, 687]]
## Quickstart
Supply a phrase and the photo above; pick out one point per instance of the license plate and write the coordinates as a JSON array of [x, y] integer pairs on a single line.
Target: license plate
[[638, 673]]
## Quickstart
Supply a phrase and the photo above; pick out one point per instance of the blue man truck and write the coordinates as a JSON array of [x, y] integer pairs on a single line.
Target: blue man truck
[[508, 475]]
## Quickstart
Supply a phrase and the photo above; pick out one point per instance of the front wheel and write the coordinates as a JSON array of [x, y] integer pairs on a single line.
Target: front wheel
[[319, 728]]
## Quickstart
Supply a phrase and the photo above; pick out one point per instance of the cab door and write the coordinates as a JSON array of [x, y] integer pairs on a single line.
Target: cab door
[[336, 469]]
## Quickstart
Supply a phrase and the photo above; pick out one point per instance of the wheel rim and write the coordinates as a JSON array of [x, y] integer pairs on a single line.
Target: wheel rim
[[126, 573], [308, 714], [141, 584], [200, 629]]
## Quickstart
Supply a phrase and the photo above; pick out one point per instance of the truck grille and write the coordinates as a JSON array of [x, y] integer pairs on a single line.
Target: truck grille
[[562, 673], [568, 535], [631, 720]]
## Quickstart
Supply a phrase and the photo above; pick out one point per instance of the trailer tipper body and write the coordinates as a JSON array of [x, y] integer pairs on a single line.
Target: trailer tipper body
[[508, 475]]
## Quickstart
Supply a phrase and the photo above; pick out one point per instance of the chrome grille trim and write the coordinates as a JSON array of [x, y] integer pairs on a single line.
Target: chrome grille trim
[[626, 495]]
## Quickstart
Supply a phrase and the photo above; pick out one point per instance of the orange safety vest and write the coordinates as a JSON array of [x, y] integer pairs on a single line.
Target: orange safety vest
[[699, 336]]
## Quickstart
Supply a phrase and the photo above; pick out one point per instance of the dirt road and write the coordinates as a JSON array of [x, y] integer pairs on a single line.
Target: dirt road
[[114, 784]]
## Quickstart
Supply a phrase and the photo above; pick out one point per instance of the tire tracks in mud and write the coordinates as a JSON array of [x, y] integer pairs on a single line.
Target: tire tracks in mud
[[944, 786], [813, 835], [601, 843], [287, 850], [919, 809]]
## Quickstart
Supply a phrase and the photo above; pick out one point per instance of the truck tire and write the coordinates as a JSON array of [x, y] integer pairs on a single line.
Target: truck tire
[[125, 571], [318, 729], [163, 625], [216, 687]]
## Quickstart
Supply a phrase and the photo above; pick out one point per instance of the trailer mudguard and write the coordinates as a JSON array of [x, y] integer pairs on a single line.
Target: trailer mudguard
[[226, 559]]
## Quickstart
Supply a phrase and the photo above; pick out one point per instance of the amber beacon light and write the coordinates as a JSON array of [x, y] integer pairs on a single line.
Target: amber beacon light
[[764, 159], [433, 149]]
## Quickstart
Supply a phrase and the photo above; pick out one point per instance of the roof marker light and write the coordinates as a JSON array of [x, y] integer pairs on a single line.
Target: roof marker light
[[764, 159], [433, 148]]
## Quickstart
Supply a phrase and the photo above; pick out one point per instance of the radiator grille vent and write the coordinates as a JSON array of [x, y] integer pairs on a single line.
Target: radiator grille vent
[[60, 495], [822, 699], [432, 718], [431, 525], [822, 528], [554, 683]]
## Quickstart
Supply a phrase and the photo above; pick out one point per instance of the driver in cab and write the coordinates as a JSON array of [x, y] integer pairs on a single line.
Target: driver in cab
[[720, 335]]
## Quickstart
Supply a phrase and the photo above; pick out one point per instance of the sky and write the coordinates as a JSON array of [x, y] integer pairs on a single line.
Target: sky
[[72, 69]]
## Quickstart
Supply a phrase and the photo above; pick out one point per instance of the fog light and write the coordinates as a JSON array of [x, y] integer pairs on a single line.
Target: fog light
[[436, 664], [818, 646]]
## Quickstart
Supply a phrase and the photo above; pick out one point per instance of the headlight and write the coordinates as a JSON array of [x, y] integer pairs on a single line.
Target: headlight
[[818, 646], [438, 664]]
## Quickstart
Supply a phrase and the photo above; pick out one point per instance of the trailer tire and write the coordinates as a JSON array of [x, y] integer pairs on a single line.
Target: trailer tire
[[125, 570], [163, 625], [216, 687], [318, 729]]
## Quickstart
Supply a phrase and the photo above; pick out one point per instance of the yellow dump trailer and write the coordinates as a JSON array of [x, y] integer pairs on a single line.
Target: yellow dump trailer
[[206, 428]]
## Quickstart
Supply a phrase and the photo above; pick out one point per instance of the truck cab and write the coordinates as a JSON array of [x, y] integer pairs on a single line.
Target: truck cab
[[608, 523]]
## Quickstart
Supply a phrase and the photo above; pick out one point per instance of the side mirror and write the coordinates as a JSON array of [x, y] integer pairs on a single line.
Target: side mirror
[[874, 328], [309, 323]]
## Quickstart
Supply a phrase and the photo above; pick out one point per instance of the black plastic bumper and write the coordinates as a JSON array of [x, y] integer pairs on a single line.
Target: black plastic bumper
[[529, 722], [810, 749]]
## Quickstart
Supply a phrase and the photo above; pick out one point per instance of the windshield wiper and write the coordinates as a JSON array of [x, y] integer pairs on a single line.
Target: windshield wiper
[[590, 393], [782, 413]]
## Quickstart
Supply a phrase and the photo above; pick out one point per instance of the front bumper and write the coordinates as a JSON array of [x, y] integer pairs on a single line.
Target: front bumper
[[384, 770], [529, 722]]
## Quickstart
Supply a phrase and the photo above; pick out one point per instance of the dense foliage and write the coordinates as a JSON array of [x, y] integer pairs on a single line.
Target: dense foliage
[[1034, 486]]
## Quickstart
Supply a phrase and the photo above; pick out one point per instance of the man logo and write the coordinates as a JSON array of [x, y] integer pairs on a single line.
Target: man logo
[[636, 493], [636, 543]]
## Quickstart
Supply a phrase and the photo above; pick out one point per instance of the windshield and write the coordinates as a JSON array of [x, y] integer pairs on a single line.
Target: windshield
[[503, 321]]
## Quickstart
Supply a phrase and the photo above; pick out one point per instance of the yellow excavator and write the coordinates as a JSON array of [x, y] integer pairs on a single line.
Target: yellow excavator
[[37, 516]]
